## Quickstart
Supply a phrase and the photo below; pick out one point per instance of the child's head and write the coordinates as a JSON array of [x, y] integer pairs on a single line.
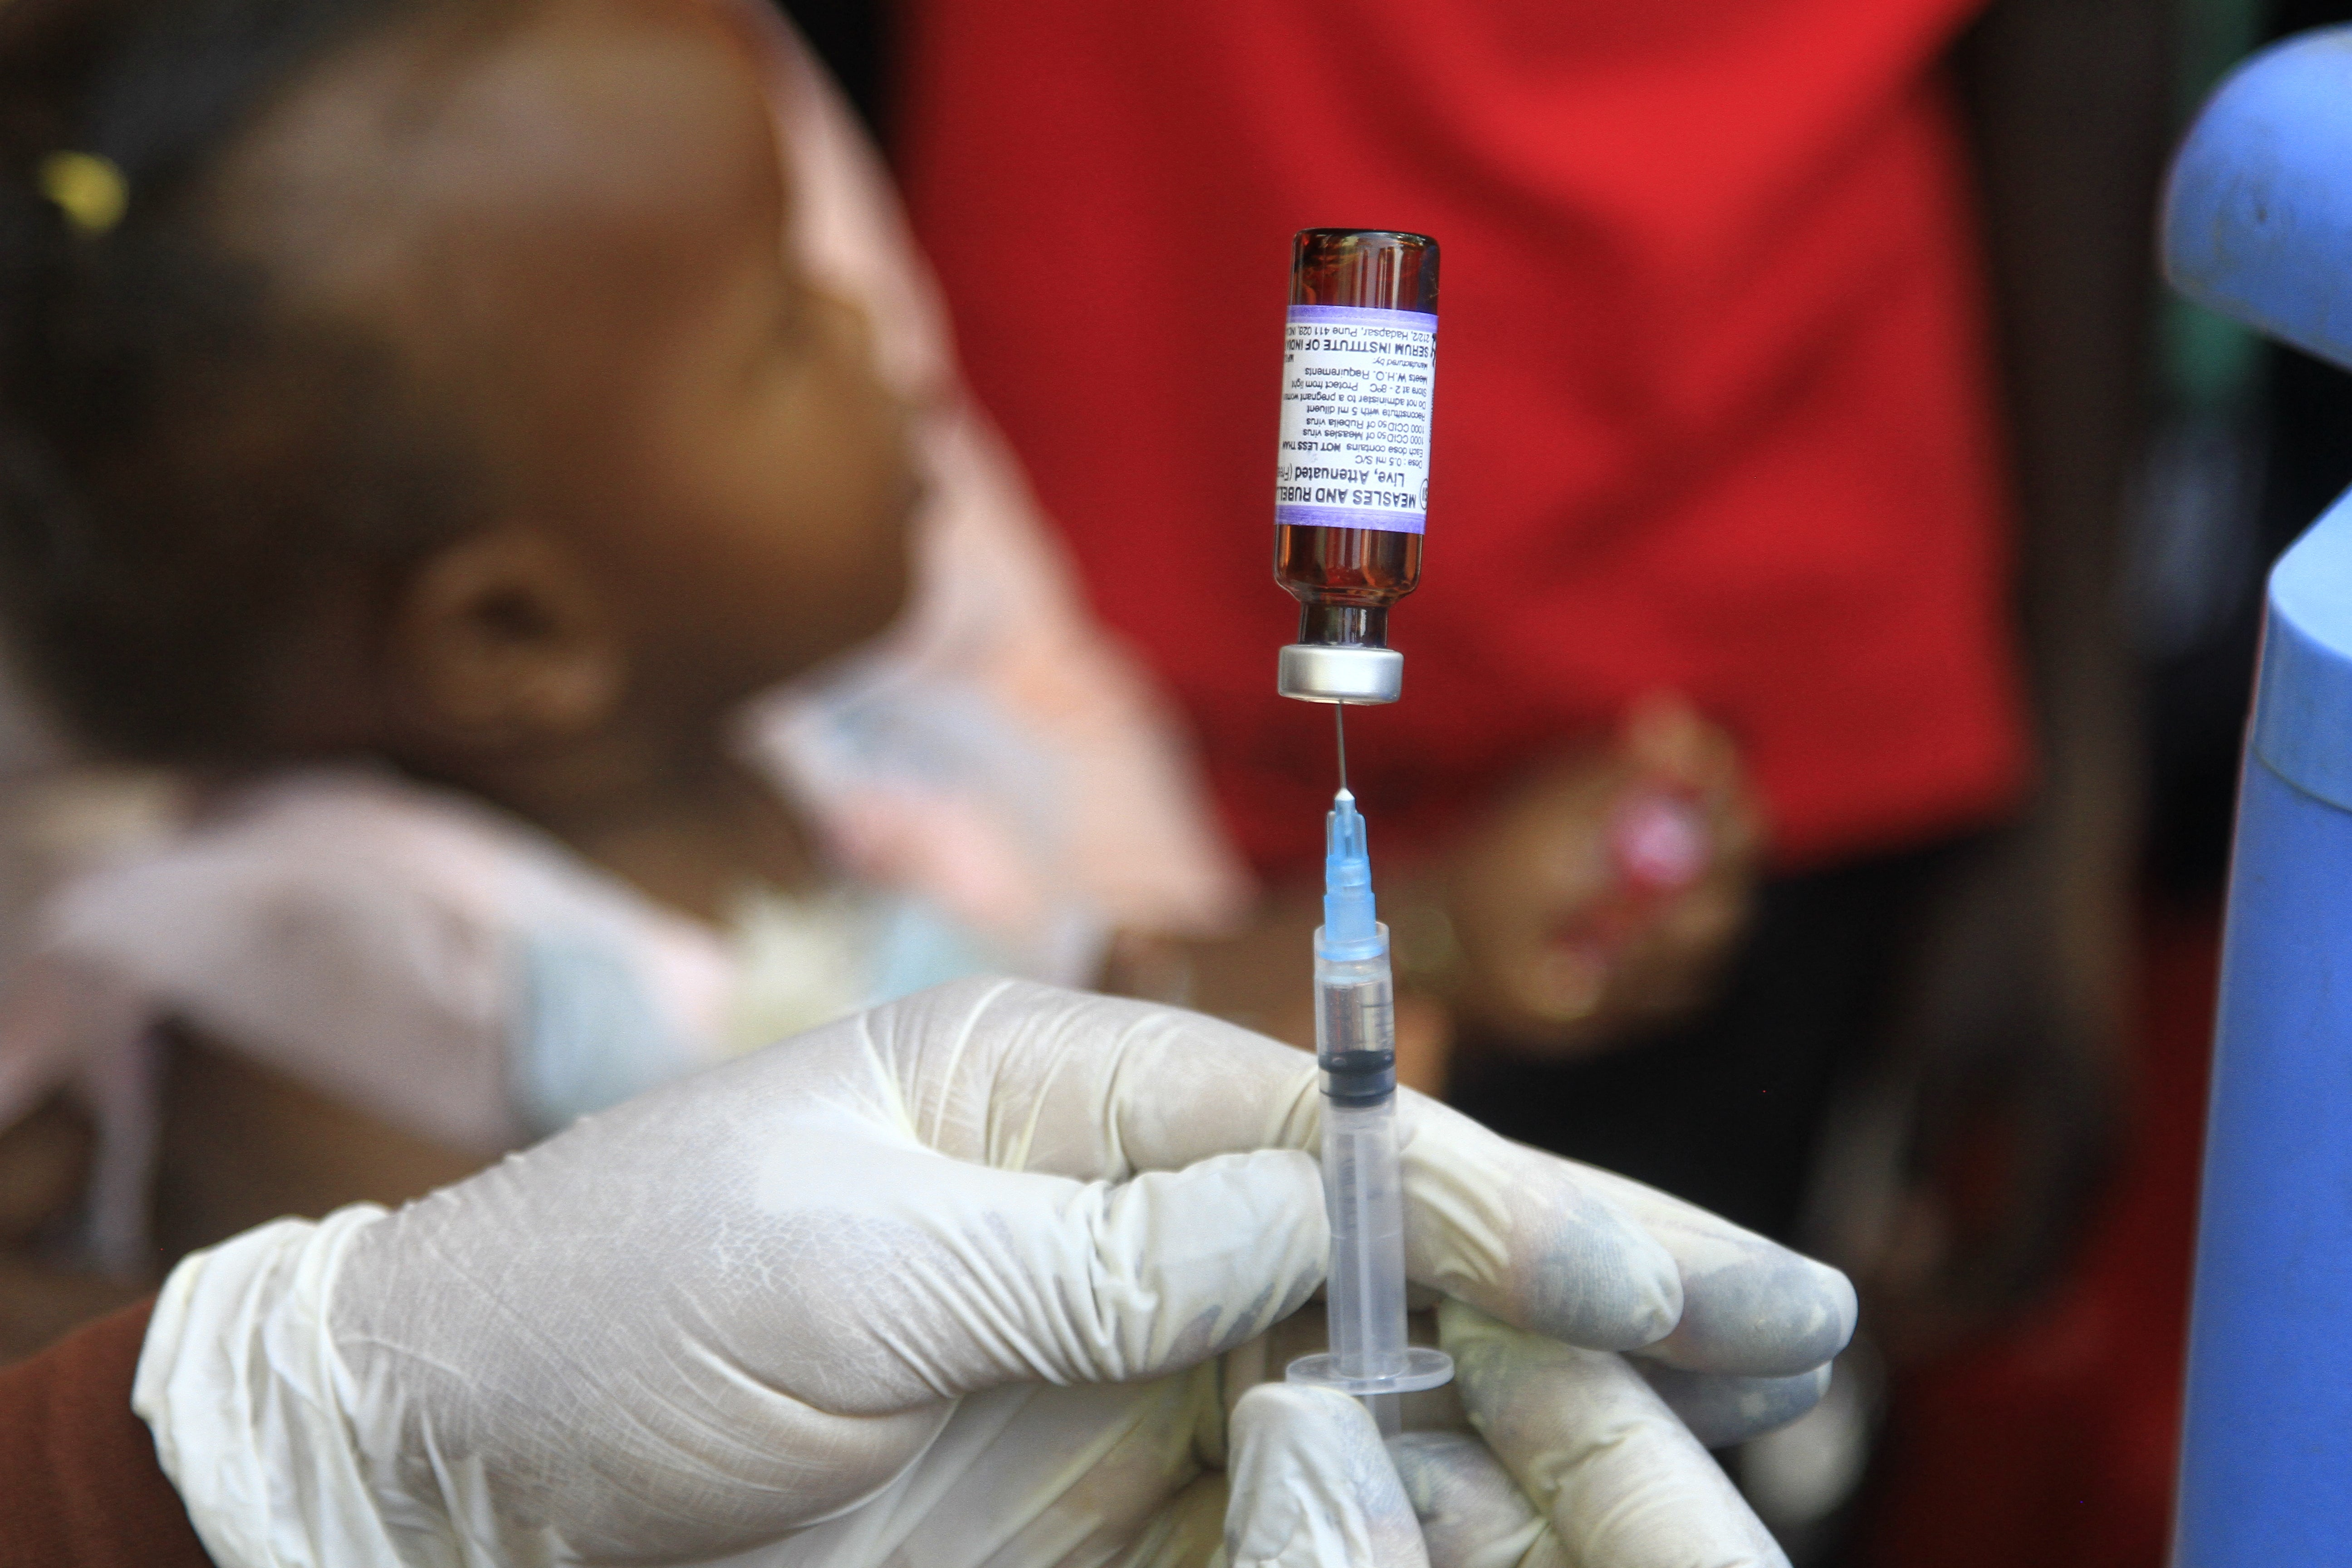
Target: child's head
[[441, 385]]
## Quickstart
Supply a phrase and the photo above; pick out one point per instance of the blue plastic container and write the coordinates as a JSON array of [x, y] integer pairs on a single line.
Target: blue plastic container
[[2266, 1457], [2258, 226], [2258, 215]]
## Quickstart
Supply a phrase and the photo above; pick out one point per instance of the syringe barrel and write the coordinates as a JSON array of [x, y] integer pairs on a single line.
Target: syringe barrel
[[1365, 1296], [1355, 1041], [1363, 1187]]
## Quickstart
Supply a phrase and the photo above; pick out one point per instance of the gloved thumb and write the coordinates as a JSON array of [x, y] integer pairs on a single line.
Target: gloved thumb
[[1311, 1486], [1473, 1514], [1600, 1454]]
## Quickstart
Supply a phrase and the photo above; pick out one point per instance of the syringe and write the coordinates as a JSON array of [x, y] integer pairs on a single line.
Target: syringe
[[1355, 1041]]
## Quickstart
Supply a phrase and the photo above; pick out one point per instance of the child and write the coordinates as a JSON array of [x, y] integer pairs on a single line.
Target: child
[[416, 430]]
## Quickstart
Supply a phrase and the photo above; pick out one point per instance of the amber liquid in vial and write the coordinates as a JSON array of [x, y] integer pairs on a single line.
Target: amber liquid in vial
[[1345, 579]]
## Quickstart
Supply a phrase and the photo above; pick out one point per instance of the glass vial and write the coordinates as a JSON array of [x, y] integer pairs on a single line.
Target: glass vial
[[1351, 474]]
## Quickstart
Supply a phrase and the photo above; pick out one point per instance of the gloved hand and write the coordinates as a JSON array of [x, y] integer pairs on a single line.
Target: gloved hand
[[947, 1282]]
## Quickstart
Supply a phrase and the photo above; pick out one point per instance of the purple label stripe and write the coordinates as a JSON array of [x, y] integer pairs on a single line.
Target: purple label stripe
[[1362, 316], [1347, 517]]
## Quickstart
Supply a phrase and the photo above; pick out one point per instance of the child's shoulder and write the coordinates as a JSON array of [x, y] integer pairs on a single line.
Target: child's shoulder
[[386, 940], [350, 863]]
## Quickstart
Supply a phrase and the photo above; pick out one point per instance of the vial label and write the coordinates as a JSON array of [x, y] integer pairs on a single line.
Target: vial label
[[1356, 386]]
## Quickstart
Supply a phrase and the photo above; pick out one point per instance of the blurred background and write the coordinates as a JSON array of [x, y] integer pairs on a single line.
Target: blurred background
[[2161, 459], [1948, 1026]]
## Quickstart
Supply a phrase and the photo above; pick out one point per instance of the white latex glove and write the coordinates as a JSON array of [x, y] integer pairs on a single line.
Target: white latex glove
[[939, 1284]]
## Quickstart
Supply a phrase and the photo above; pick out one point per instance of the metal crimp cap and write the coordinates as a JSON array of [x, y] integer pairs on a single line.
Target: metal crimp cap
[[1313, 672]]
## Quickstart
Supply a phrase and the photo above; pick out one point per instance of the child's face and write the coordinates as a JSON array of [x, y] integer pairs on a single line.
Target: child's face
[[574, 228]]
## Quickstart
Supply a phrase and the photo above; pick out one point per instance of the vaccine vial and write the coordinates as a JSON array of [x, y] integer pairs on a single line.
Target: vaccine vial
[[1351, 473]]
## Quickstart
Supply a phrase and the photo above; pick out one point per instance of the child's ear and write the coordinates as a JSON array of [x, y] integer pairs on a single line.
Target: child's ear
[[502, 639]]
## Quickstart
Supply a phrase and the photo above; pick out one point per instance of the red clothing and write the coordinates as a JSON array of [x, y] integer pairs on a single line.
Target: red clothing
[[1713, 406], [80, 1486]]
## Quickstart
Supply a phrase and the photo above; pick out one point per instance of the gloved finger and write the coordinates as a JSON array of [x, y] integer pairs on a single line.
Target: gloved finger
[[1750, 1306], [1031, 1277], [1027, 1077], [1721, 1410], [1562, 1249], [1622, 1480], [842, 1261], [1472, 1513], [1024, 1076], [1516, 1233], [1311, 1486]]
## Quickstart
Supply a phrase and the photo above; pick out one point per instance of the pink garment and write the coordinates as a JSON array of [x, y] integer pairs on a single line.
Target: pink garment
[[997, 754]]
